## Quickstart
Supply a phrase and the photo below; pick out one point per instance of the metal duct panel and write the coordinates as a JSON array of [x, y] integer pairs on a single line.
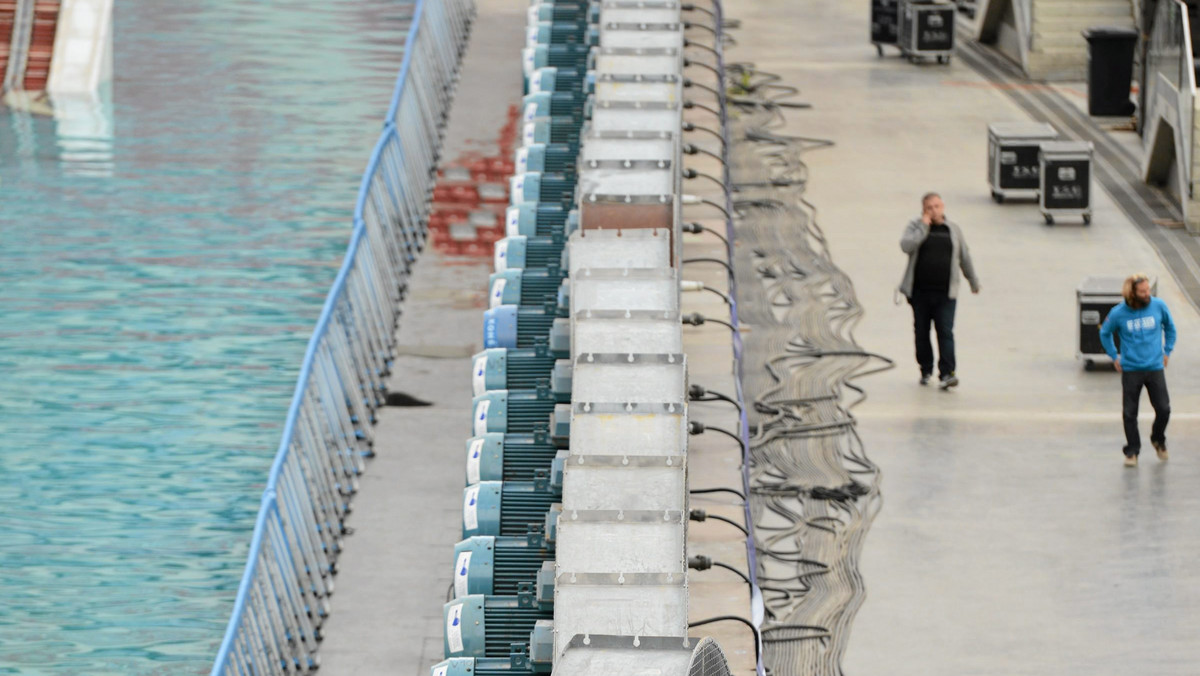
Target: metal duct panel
[[636, 378], [626, 289], [621, 90], [606, 482], [597, 655], [630, 61], [606, 116], [642, 248], [655, 178], [629, 608], [639, 332], [641, 432], [653, 146], [628, 541]]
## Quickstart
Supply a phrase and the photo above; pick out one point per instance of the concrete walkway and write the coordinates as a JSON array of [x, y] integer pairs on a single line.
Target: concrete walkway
[[1012, 540], [396, 571]]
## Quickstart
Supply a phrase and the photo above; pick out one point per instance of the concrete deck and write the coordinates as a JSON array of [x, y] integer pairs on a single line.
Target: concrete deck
[[396, 571], [1012, 540]]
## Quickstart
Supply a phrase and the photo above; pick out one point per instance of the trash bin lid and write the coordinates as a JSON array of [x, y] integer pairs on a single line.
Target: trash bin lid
[[1019, 130], [1110, 33]]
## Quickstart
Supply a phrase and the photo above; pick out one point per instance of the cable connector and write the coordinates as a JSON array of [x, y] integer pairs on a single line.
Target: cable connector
[[693, 319], [689, 285], [696, 427], [694, 228], [700, 562], [696, 391], [697, 515]]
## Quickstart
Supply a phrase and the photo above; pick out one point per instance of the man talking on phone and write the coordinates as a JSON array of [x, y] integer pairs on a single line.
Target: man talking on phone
[[936, 251]]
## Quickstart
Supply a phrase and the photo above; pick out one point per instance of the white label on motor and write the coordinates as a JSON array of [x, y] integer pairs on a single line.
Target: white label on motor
[[530, 111], [474, 457], [439, 671], [500, 256], [530, 132], [497, 298], [522, 160], [471, 508], [535, 83], [462, 569], [531, 16], [454, 629], [479, 376], [518, 189], [512, 225], [481, 412], [531, 37], [528, 54]]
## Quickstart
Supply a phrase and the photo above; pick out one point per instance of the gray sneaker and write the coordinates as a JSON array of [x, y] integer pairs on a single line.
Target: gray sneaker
[[925, 378], [948, 381]]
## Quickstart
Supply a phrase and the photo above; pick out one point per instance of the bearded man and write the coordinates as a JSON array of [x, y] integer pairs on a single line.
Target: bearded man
[[1147, 333]]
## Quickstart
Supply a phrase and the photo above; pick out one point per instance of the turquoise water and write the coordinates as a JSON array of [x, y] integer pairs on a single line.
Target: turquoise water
[[164, 253]]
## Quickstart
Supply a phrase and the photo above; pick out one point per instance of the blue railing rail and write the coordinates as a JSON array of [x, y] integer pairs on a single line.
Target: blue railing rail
[[283, 596]]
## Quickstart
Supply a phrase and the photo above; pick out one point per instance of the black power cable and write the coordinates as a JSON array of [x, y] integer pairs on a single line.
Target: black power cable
[[735, 618], [720, 489], [700, 393], [702, 515], [697, 319], [696, 228]]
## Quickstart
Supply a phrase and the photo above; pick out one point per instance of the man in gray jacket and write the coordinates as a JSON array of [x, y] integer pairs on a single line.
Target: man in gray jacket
[[936, 250]]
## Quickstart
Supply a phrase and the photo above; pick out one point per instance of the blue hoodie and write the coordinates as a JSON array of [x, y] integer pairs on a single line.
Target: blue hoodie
[[1141, 333]]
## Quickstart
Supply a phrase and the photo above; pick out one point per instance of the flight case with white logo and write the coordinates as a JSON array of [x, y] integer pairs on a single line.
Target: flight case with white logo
[[1013, 157], [1094, 298], [1065, 180], [885, 18], [926, 30]]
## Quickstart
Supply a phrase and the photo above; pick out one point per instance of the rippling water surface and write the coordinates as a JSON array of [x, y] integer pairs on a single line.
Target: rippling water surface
[[164, 252]]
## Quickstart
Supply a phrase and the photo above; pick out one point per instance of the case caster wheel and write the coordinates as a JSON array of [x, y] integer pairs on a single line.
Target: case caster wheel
[[943, 59], [1049, 219], [879, 50], [1089, 365], [1087, 219], [997, 197]]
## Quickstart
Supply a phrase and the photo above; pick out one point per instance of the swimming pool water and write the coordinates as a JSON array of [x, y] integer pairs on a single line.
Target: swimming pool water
[[164, 253]]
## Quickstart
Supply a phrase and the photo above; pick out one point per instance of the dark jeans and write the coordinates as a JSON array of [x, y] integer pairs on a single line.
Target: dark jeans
[[1155, 383], [937, 308]]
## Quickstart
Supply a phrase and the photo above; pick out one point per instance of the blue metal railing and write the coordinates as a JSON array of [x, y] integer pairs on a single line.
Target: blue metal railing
[[283, 596]]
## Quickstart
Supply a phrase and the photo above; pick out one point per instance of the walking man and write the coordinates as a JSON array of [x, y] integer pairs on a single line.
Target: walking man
[[936, 251], [1147, 333]]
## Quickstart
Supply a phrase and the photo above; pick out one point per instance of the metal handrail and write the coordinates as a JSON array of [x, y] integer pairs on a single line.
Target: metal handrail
[[282, 598]]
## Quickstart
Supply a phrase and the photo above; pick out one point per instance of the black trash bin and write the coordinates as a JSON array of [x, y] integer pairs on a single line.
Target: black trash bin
[[1110, 69]]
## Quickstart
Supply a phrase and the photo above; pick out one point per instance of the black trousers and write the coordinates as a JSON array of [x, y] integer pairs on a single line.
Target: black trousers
[[1155, 383], [936, 308]]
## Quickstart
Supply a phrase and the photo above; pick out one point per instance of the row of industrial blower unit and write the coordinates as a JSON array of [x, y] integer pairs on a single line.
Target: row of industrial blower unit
[[575, 510]]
